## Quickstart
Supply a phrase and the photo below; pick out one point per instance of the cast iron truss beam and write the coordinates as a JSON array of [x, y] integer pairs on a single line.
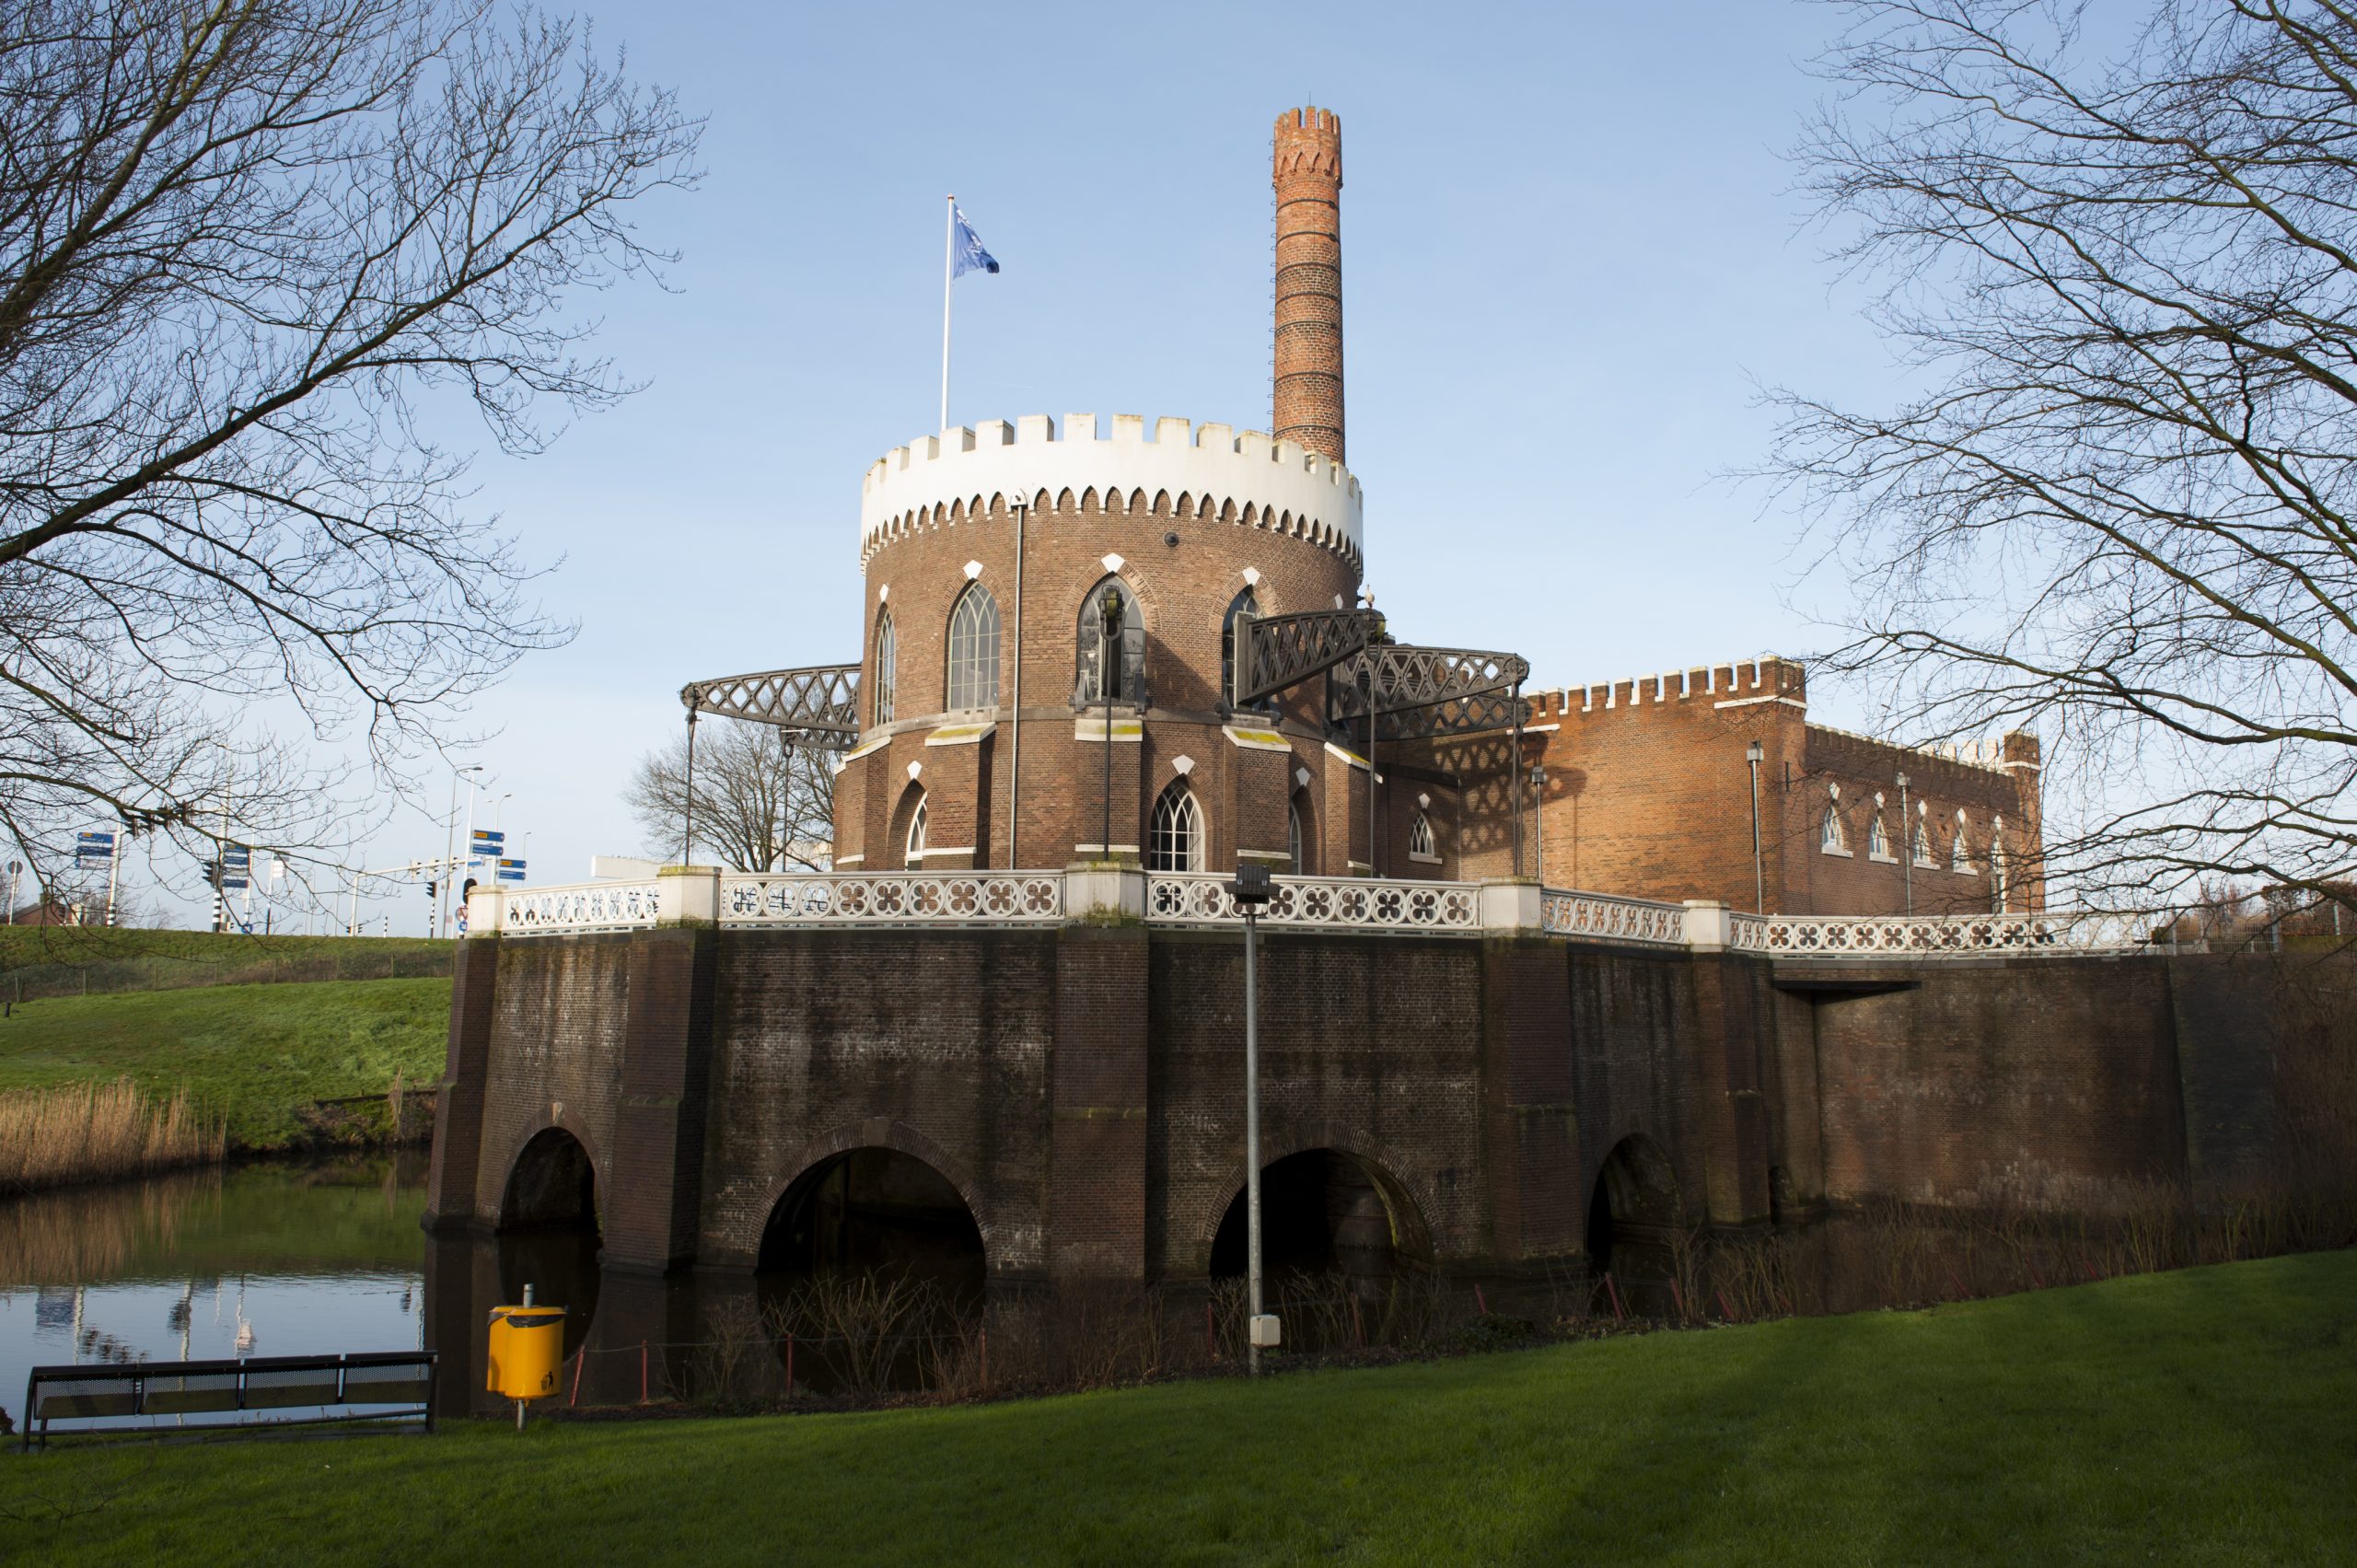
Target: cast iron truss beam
[[1275, 651], [817, 704], [1418, 691]]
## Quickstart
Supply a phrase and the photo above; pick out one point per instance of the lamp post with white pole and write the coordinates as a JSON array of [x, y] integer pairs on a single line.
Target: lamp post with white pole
[[1906, 845], [1250, 890], [449, 858]]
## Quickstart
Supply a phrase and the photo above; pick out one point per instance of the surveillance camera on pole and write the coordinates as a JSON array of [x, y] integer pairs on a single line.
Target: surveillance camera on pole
[[1250, 890]]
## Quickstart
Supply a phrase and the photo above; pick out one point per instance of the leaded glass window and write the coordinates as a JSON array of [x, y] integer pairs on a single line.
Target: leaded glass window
[[973, 650], [1176, 839], [882, 708]]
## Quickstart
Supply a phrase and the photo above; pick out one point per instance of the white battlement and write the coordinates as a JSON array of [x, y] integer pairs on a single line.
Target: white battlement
[[1988, 754], [1207, 470]]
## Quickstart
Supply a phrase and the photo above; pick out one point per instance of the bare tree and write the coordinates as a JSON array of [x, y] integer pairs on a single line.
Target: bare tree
[[761, 803], [246, 249], [2121, 504]]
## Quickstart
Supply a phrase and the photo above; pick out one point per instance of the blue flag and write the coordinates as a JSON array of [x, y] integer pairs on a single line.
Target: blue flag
[[971, 256]]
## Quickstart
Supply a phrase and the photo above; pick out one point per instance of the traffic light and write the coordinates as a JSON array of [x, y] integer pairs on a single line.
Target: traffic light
[[429, 889]]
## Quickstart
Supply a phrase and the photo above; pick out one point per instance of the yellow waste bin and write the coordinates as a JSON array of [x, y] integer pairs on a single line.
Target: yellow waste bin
[[526, 1350]]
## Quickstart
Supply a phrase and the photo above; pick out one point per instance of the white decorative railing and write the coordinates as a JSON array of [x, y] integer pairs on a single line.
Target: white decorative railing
[[1921, 937], [594, 906], [898, 898], [1340, 902], [1601, 917]]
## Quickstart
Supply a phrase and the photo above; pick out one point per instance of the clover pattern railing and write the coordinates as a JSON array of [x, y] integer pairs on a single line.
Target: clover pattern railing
[[595, 906], [1340, 902], [1601, 917], [914, 897], [1925, 937]]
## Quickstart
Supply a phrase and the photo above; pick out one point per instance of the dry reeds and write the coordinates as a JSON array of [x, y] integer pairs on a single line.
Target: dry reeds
[[99, 1132]]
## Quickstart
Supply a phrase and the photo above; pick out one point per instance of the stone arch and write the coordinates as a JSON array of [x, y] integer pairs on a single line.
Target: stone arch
[[1403, 1204], [1228, 509], [1634, 1210], [1087, 503], [745, 1232], [551, 1176], [1186, 506]]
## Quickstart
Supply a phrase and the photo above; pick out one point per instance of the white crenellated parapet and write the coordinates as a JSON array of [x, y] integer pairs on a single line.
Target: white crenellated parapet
[[1212, 470]]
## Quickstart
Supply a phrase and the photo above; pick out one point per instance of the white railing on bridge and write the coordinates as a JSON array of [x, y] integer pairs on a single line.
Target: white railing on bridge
[[1927, 937], [894, 898], [591, 906], [1200, 898], [1601, 917], [983, 899]]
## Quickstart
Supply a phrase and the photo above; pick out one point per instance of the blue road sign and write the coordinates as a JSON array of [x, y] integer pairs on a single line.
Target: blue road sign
[[94, 838], [488, 839], [237, 855], [232, 883], [511, 877]]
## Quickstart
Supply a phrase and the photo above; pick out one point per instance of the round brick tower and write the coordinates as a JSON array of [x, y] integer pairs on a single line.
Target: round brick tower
[[1307, 173]]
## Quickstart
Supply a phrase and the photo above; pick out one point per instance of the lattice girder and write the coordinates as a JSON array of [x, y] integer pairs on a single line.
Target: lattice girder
[[1275, 652], [817, 704], [1418, 691]]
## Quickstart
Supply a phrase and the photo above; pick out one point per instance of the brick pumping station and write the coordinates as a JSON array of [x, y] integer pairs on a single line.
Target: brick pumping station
[[1550, 972]]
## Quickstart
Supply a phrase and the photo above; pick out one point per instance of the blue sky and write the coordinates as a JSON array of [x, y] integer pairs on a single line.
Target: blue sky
[[1570, 249]]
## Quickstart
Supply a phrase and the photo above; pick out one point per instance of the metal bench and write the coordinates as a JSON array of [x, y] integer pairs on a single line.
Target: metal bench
[[378, 1386]]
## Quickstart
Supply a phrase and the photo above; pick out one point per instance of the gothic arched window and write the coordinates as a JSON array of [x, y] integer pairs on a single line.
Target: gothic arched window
[[912, 842], [2000, 883], [973, 650], [1831, 838], [1245, 603], [1922, 846], [1878, 838], [1174, 841], [1128, 670], [1420, 839], [881, 708], [1295, 846], [1960, 852]]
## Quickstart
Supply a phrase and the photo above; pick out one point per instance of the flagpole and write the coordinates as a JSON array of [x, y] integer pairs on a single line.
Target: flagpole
[[948, 255]]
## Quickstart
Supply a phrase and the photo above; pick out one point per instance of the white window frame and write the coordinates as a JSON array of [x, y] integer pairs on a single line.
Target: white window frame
[[887, 657], [1176, 830], [973, 650], [1422, 846], [912, 843], [1832, 833]]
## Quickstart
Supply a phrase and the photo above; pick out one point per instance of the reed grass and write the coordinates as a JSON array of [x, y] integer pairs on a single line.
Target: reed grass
[[76, 1133]]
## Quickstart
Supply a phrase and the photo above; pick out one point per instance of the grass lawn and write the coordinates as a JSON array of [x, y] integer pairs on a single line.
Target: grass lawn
[[39, 961], [255, 1053], [2208, 1416]]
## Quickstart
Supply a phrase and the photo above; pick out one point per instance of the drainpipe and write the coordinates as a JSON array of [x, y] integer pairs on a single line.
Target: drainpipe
[[1014, 721]]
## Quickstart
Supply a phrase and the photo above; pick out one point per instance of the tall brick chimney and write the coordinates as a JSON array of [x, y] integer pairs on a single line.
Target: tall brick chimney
[[1307, 174]]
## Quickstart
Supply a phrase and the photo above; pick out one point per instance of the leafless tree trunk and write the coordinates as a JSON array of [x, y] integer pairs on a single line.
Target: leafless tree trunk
[[761, 805], [2121, 505], [246, 247]]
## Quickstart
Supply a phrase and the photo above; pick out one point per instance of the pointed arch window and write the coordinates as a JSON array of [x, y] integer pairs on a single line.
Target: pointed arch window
[[912, 845], [1420, 840], [880, 710], [1960, 852], [2000, 880], [1878, 837], [973, 650], [1921, 848], [1175, 838], [1126, 666], [1295, 842], [1830, 838], [1244, 603]]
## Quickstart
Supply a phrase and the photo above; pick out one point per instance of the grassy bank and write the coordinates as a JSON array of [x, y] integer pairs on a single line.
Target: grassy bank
[[45, 962], [260, 1056], [2204, 1416]]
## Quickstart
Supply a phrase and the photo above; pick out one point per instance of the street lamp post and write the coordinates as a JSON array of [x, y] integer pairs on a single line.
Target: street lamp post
[[1752, 754], [1250, 890], [449, 834], [1108, 650], [1539, 815], [1906, 845]]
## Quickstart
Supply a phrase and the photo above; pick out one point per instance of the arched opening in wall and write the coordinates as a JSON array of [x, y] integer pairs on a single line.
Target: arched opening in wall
[[1634, 1221], [551, 1186], [1174, 840], [887, 669], [908, 838], [1245, 603], [1328, 1219], [970, 680], [1298, 839], [879, 1212]]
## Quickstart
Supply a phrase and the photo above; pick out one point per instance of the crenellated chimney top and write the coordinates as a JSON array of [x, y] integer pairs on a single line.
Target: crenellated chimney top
[[1306, 169]]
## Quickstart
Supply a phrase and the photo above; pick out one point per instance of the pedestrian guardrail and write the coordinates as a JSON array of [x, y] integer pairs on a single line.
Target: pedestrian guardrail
[[280, 1390]]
